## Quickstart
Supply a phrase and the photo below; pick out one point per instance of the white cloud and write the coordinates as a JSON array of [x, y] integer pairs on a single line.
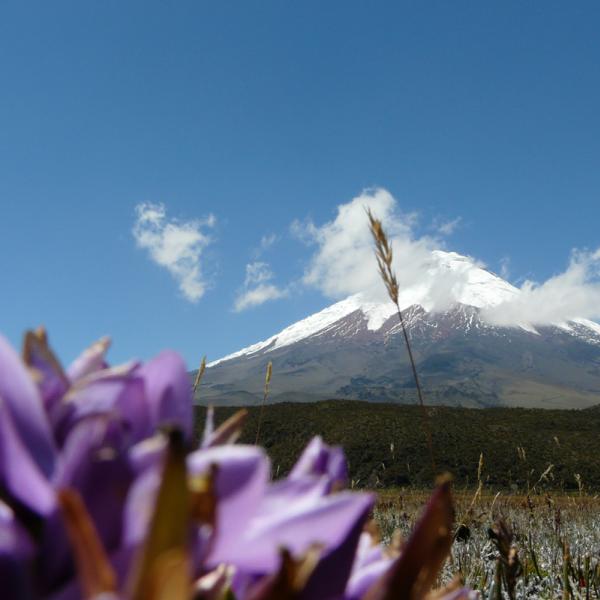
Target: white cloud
[[267, 241], [258, 295], [505, 267], [575, 293], [448, 227], [305, 231], [175, 245], [256, 289], [257, 272], [343, 264]]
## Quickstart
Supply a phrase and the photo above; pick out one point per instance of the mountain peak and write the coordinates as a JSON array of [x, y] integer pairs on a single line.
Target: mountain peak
[[449, 279], [352, 349]]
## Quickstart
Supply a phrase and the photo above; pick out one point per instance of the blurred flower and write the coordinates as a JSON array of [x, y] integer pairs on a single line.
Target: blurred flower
[[104, 497], [319, 459], [78, 429]]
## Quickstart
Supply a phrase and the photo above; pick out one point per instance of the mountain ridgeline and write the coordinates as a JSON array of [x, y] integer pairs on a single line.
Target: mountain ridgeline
[[355, 350]]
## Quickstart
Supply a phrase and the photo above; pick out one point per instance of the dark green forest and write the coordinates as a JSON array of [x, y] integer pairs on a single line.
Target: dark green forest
[[386, 445]]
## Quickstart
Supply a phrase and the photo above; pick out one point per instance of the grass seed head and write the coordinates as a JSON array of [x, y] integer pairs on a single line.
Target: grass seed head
[[269, 373], [384, 256]]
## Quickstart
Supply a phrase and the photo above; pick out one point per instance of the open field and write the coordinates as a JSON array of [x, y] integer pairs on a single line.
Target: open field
[[386, 447], [556, 539], [549, 545]]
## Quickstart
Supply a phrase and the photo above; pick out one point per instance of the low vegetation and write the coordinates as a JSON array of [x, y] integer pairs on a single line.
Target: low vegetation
[[525, 482], [523, 450], [534, 546]]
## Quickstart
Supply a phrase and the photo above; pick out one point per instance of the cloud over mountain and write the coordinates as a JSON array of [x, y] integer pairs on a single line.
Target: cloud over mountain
[[343, 264], [573, 294]]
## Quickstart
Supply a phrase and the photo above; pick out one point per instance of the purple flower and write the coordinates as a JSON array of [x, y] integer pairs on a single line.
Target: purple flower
[[78, 430], [98, 501], [21, 477], [319, 459], [23, 403]]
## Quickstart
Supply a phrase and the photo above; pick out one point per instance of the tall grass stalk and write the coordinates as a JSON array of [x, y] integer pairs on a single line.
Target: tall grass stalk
[[383, 253], [209, 423], [265, 396], [199, 374]]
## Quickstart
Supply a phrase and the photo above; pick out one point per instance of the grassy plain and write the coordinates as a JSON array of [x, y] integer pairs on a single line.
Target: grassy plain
[[553, 541], [525, 484]]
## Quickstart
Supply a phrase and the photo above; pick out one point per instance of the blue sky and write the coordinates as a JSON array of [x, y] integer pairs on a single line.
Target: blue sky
[[260, 114]]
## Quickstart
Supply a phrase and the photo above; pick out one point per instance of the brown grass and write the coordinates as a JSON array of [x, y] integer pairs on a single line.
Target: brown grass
[[264, 401]]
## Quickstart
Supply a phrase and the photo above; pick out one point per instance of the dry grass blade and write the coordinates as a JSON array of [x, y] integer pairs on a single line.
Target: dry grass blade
[[209, 425], [567, 592], [37, 350], [96, 575], [199, 374], [203, 497], [265, 396], [229, 431], [162, 569], [384, 255], [508, 567]]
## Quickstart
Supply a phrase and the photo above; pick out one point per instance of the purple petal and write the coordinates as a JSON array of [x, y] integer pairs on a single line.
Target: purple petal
[[169, 391], [93, 467], [330, 576], [25, 406], [19, 474], [370, 563], [241, 480], [118, 392], [99, 472], [320, 459], [325, 521], [363, 579], [44, 367], [139, 507], [281, 494], [147, 454], [90, 361], [367, 552]]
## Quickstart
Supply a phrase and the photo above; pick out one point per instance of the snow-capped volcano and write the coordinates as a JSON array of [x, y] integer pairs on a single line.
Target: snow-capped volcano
[[351, 350]]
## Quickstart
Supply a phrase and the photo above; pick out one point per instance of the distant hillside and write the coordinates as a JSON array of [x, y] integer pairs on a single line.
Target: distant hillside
[[462, 361], [385, 444], [354, 349]]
